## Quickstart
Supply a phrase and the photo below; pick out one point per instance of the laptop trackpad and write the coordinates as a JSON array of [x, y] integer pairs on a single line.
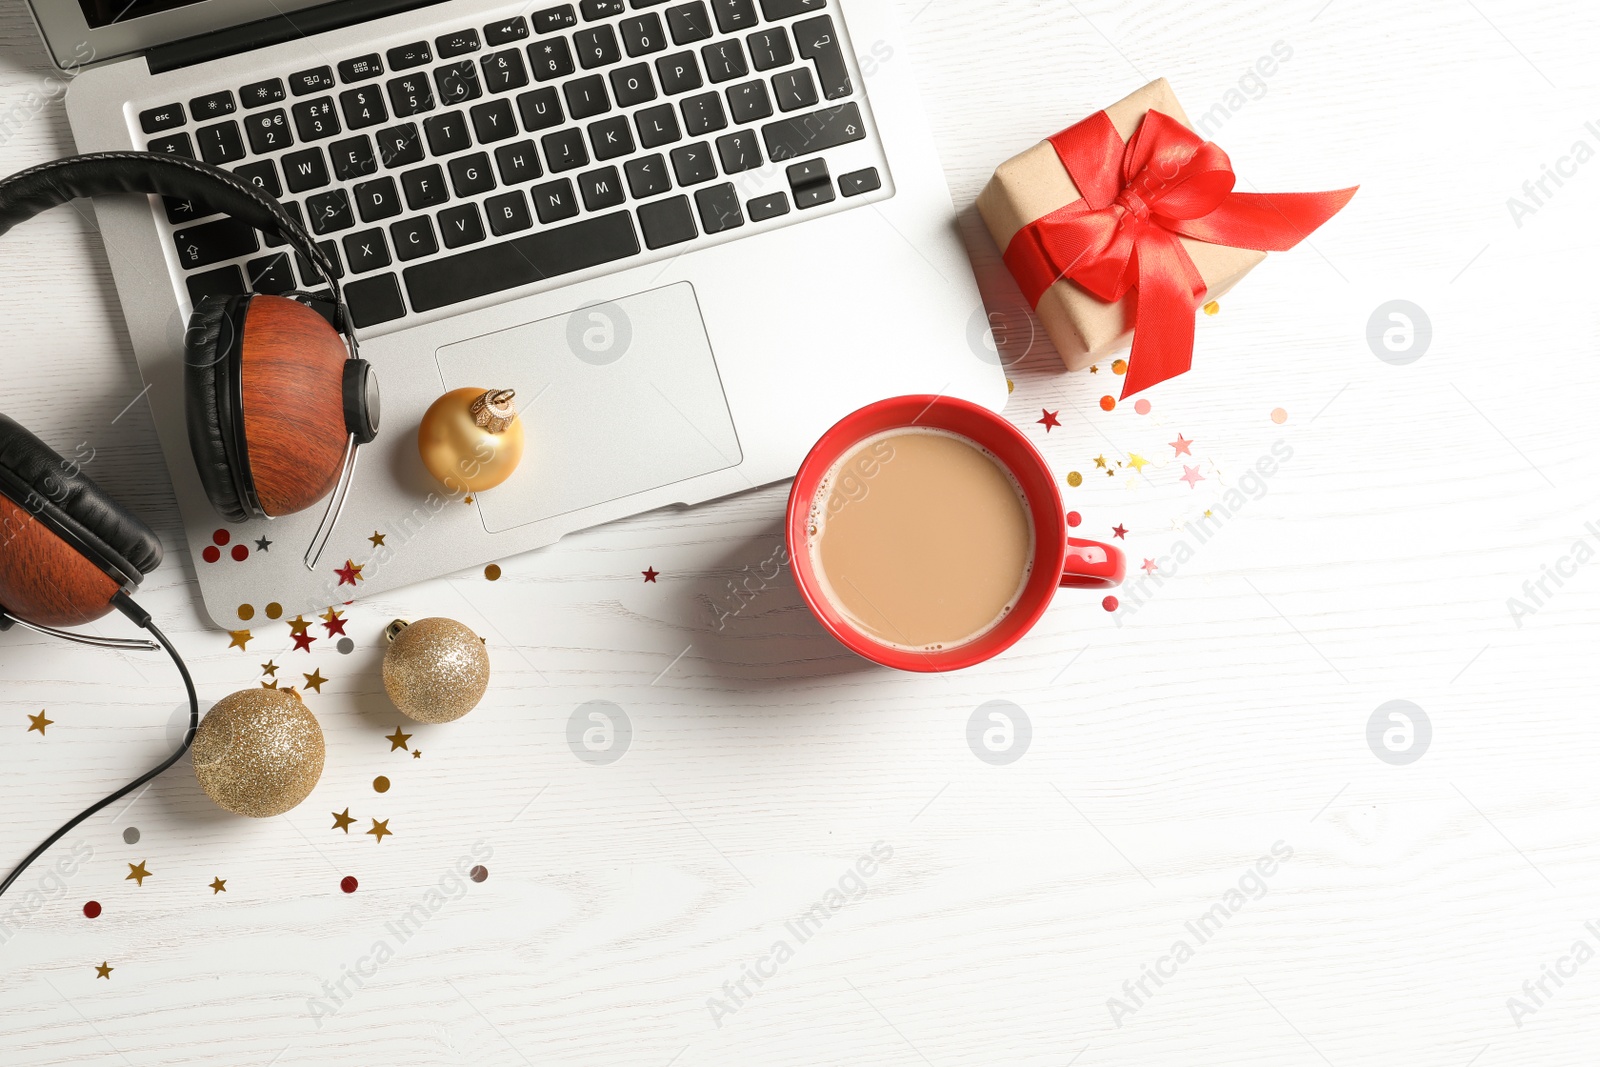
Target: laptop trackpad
[[616, 399]]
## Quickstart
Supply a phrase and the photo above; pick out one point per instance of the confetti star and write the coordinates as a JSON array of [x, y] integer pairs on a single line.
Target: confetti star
[[380, 830], [262, 544], [219, 885], [1120, 530], [334, 621], [137, 873], [38, 722], [1180, 447], [314, 680], [1099, 461], [1050, 419], [468, 500], [650, 575], [342, 820], [1137, 462], [417, 754], [398, 739], [270, 685], [298, 624], [103, 971], [302, 642], [350, 573], [1149, 566], [270, 668], [1094, 369], [1192, 475], [376, 539], [238, 638]]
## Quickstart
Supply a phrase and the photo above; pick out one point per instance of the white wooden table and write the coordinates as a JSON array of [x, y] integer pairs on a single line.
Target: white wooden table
[[632, 909]]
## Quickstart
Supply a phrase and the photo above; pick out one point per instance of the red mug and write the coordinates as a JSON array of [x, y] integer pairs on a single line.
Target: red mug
[[1058, 560]]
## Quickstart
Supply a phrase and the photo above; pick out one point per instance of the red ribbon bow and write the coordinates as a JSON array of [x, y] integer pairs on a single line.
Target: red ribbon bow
[[1138, 199]]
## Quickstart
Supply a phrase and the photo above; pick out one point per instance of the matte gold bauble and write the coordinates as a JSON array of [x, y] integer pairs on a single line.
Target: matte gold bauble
[[436, 670], [471, 439], [258, 752]]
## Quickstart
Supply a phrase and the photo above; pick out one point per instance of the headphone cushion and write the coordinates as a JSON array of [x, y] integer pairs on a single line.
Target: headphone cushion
[[77, 502], [203, 374]]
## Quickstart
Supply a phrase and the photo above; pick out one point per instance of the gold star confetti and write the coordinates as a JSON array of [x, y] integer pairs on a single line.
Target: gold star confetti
[[137, 873], [417, 754], [314, 680], [103, 971], [1211, 307], [270, 667], [219, 885], [238, 638], [1136, 461], [468, 500], [38, 722], [342, 820], [376, 539], [398, 739], [298, 624], [1095, 369], [380, 830], [270, 685], [1099, 461]]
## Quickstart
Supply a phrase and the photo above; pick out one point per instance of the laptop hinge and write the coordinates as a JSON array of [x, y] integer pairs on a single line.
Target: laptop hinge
[[273, 30]]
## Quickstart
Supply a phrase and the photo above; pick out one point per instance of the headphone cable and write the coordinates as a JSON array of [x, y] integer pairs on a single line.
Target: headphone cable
[[141, 618]]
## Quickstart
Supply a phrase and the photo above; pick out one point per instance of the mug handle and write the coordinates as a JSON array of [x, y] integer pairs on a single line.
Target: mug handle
[[1092, 565]]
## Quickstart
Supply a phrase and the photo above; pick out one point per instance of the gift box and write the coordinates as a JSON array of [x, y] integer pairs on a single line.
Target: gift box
[[1120, 226]]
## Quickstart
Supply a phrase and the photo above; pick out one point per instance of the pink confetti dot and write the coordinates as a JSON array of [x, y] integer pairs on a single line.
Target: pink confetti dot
[[1073, 518], [348, 883], [221, 537], [1142, 407], [241, 552], [91, 910], [211, 554], [1109, 603]]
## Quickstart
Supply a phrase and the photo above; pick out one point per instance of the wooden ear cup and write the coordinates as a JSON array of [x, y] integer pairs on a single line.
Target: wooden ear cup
[[44, 579]]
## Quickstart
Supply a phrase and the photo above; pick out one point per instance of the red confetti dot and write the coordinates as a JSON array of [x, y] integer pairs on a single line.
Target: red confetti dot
[[1142, 407], [1109, 603], [211, 554], [91, 910], [479, 873], [348, 883], [1073, 518], [241, 552], [1107, 403], [221, 537]]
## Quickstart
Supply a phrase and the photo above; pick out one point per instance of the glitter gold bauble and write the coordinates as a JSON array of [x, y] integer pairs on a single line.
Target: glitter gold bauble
[[471, 439], [436, 670], [258, 752]]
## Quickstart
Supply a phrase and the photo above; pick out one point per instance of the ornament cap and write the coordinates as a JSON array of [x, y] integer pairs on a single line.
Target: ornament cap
[[392, 631], [494, 410]]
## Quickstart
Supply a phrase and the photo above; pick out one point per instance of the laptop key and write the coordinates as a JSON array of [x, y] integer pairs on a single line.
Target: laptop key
[[174, 144], [679, 73], [311, 275], [493, 121], [471, 175], [586, 97], [268, 131], [555, 18], [461, 225], [518, 163], [377, 199], [512, 29], [724, 61], [353, 158], [224, 281], [749, 102], [550, 59], [794, 89], [315, 80], [817, 41], [263, 173], [213, 242], [770, 49], [647, 176], [767, 207], [413, 238], [860, 181], [424, 187], [508, 213], [260, 94], [786, 9], [599, 9], [374, 300], [719, 208], [739, 151], [597, 47], [689, 23], [213, 105], [363, 107], [329, 212], [292, 209], [400, 146], [411, 95], [316, 119], [667, 222], [410, 55], [221, 143], [643, 34], [633, 85], [734, 16], [361, 68], [270, 274], [610, 138], [703, 114], [554, 201], [657, 126], [456, 44], [504, 71], [692, 164], [181, 211], [565, 150], [601, 189], [534, 257], [162, 118], [540, 109], [458, 82], [447, 133], [366, 250], [815, 132]]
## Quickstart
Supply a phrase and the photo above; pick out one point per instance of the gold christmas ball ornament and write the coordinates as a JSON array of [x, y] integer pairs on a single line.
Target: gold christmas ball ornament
[[471, 439], [258, 752], [436, 670]]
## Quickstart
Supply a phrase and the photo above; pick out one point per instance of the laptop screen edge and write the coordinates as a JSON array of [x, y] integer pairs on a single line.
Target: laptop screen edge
[[73, 44]]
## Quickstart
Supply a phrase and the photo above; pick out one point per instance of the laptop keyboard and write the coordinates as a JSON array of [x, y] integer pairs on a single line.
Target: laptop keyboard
[[495, 157]]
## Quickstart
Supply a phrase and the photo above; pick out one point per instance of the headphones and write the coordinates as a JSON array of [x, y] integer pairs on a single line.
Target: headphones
[[277, 400]]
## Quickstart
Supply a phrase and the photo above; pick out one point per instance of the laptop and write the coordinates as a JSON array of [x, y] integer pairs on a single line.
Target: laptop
[[742, 226]]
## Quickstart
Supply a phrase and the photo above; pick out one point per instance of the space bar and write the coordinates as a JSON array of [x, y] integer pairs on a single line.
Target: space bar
[[526, 260]]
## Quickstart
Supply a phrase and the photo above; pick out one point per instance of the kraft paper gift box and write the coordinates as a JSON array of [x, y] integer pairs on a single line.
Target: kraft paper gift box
[[1029, 186]]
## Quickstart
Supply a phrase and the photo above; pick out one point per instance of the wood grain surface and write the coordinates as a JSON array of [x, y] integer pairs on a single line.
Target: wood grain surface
[[1197, 766]]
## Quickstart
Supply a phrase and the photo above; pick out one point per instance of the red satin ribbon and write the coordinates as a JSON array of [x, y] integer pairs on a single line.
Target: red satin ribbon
[[1121, 237]]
